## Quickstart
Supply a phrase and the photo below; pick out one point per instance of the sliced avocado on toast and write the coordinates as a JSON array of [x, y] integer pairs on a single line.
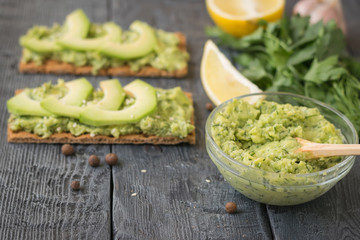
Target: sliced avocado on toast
[[145, 104], [144, 44], [79, 90], [103, 49], [104, 112], [77, 25], [39, 45], [23, 105], [69, 105], [112, 33], [74, 112], [114, 95], [58, 108]]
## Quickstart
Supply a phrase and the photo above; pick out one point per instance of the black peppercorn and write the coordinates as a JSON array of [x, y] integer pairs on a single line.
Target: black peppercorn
[[94, 161], [209, 106], [111, 158], [75, 185], [67, 150], [231, 207]]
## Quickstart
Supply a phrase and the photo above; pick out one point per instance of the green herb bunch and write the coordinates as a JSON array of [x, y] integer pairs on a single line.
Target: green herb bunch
[[293, 56]]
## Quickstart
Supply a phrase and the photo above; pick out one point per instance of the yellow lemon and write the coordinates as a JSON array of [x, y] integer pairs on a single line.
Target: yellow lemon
[[240, 17], [220, 79]]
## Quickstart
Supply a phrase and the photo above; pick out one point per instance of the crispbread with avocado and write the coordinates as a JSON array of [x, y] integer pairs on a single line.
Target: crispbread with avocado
[[22, 136], [56, 67], [80, 47], [25, 137]]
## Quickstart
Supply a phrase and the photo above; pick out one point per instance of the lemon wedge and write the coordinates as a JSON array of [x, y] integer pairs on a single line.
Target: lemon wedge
[[240, 17], [220, 79]]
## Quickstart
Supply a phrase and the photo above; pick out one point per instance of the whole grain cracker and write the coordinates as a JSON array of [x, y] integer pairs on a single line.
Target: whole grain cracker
[[56, 67], [25, 137]]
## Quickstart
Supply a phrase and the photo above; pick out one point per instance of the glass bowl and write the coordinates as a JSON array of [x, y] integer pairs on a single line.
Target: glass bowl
[[279, 188]]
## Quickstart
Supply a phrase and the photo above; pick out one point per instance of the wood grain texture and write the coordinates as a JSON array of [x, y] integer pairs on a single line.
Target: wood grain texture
[[181, 196], [335, 215], [352, 18], [173, 199], [36, 201]]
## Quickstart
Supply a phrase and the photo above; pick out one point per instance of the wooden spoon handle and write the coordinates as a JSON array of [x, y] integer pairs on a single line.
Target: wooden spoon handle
[[327, 150]]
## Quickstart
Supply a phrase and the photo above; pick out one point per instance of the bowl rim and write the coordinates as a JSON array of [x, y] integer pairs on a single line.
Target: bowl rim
[[324, 172]]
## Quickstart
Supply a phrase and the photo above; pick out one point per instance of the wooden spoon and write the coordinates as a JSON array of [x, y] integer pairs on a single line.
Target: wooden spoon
[[317, 150]]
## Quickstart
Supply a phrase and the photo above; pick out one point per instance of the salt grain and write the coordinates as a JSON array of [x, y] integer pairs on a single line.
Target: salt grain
[[143, 170], [207, 180], [134, 194]]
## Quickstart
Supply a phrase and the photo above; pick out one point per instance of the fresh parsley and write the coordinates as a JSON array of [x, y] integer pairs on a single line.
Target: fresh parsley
[[292, 55]]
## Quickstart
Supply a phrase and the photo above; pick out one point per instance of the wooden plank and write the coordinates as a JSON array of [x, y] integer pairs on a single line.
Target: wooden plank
[[36, 200], [173, 199], [335, 215], [351, 13]]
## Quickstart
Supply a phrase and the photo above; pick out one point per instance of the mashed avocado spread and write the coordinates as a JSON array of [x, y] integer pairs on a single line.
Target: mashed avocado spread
[[166, 56], [171, 118], [263, 135]]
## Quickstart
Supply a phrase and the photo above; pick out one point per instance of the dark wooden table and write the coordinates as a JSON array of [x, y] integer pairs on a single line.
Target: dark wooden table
[[173, 198]]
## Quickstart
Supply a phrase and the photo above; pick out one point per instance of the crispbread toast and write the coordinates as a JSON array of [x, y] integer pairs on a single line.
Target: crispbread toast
[[56, 67], [25, 137]]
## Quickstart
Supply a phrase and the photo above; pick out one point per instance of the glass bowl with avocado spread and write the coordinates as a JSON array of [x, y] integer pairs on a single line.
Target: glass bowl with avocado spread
[[251, 140]]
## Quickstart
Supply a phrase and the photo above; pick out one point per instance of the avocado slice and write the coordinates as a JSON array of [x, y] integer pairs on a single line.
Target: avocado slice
[[114, 95], [69, 105], [56, 107], [113, 33], [39, 45], [145, 104], [23, 105], [77, 25], [143, 45], [79, 90]]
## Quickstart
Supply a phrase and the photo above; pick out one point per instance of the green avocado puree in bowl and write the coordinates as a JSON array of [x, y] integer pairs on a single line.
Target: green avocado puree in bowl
[[253, 146]]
